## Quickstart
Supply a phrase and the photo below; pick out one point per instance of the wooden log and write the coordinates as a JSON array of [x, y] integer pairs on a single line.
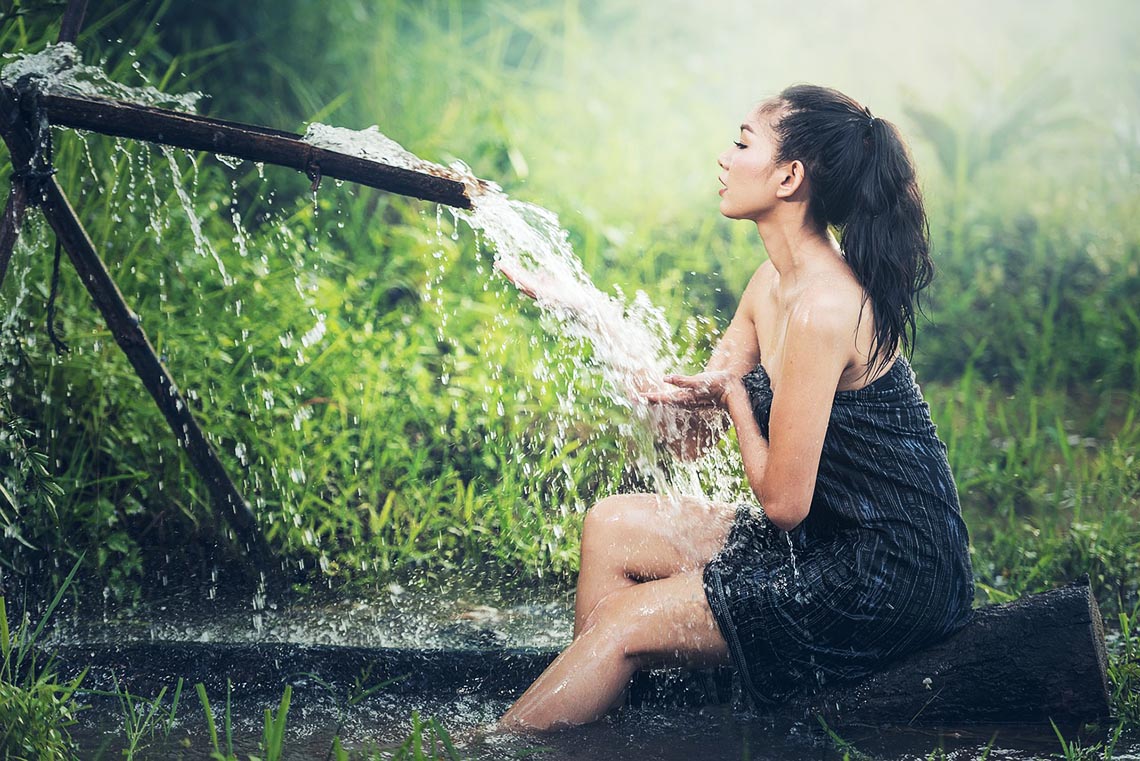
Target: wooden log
[[246, 141], [1041, 657], [125, 327], [1027, 662]]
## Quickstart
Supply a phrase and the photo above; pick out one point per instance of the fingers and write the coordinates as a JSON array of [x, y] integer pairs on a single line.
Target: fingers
[[688, 398], [508, 268], [695, 384], [701, 391], [685, 381]]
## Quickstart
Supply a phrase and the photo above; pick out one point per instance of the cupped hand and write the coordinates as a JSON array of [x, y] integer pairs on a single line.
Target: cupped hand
[[703, 390]]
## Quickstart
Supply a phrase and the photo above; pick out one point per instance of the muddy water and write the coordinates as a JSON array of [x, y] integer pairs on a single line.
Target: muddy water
[[452, 617], [382, 723]]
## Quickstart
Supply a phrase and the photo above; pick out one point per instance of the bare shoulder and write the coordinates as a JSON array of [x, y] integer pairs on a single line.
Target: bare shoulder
[[759, 285], [830, 307], [763, 275]]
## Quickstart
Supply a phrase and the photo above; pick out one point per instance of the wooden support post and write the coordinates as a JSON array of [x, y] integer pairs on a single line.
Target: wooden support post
[[128, 333], [253, 143], [11, 222], [72, 20], [125, 327]]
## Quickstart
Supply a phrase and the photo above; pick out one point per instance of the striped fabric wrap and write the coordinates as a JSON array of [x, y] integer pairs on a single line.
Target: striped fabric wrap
[[879, 567]]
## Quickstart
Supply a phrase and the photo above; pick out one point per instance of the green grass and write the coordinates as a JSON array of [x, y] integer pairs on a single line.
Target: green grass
[[36, 707]]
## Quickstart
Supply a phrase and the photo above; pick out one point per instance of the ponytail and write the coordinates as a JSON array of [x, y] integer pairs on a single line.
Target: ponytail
[[862, 182]]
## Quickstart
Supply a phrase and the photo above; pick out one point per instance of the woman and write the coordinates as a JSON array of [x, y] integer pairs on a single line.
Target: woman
[[858, 552]]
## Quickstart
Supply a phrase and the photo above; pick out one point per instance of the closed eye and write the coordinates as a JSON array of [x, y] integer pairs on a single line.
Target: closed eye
[[739, 144]]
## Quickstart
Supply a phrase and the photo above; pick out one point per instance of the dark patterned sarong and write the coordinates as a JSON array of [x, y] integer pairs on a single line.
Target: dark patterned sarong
[[879, 567]]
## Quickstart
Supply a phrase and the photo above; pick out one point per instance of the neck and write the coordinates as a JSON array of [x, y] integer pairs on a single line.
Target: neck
[[794, 243]]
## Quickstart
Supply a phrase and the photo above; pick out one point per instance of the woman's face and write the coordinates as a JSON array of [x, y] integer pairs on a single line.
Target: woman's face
[[748, 173]]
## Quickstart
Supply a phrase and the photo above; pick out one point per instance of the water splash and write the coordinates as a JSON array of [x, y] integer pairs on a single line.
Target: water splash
[[630, 340], [367, 143], [59, 69]]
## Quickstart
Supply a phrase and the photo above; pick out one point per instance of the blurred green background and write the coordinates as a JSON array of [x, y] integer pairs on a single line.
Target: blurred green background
[[418, 432]]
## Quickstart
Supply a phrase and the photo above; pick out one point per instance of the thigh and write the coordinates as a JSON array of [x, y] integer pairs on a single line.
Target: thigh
[[662, 622], [652, 536]]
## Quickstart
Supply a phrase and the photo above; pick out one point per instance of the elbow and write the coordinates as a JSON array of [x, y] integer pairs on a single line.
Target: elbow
[[786, 514]]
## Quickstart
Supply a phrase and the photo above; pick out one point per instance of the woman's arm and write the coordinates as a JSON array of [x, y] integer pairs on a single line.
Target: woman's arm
[[782, 470]]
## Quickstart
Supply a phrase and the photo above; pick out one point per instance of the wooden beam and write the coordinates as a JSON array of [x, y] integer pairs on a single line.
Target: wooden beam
[[125, 326], [250, 142], [1038, 658]]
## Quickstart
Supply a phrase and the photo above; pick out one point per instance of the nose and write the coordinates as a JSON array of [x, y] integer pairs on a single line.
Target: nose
[[722, 160]]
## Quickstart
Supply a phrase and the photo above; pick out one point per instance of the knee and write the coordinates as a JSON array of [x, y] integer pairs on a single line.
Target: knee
[[613, 517]]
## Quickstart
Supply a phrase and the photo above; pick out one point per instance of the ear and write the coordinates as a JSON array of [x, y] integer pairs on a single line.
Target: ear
[[794, 177]]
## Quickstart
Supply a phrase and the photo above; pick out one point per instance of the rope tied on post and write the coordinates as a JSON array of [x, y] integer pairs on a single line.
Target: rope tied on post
[[39, 169], [313, 170]]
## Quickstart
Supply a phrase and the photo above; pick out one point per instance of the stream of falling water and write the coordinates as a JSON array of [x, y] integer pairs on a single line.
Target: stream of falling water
[[630, 340]]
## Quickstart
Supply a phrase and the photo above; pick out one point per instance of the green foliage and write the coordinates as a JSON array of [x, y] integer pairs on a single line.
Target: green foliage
[[35, 707], [841, 745], [1075, 750], [146, 719], [27, 474], [1124, 669], [1036, 291], [273, 733], [428, 740], [1046, 502]]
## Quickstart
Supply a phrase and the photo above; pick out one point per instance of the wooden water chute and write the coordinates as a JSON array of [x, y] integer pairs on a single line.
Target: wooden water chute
[[26, 118]]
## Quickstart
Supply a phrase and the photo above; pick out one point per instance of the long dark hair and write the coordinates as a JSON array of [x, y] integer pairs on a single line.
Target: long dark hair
[[862, 182]]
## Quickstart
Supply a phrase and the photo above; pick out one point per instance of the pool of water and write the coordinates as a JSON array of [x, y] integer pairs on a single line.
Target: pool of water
[[448, 650], [428, 612], [382, 723]]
